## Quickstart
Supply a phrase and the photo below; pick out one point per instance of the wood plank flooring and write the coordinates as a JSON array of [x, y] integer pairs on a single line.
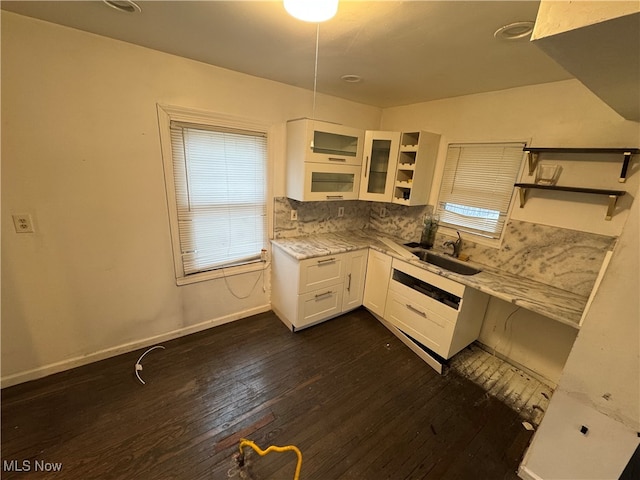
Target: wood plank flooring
[[355, 400]]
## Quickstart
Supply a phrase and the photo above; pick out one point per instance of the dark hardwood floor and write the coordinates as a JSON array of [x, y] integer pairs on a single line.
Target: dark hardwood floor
[[352, 397]]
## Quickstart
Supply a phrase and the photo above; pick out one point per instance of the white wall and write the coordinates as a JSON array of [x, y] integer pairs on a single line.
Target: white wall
[[562, 114], [558, 16], [600, 385], [559, 114], [81, 154]]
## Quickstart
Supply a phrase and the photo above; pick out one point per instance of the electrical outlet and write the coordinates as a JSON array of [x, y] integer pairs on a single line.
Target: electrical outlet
[[294, 214], [340, 211], [23, 223], [383, 212]]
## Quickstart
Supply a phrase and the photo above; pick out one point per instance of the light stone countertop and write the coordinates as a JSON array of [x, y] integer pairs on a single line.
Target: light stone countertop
[[554, 303]]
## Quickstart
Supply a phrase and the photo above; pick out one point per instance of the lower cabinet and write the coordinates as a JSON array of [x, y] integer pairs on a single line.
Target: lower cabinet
[[423, 308], [316, 306], [377, 282], [306, 292], [417, 321], [354, 279], [440, 314]]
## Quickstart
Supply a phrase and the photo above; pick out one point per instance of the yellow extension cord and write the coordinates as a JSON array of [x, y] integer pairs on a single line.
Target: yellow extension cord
[[248, 443]]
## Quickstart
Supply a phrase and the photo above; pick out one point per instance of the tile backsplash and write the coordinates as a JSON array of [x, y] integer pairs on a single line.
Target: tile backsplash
[[567, 259], [322, 217], [318, 217]]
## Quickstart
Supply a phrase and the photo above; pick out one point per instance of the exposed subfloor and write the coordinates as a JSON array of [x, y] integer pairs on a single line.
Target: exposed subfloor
[[523, 393]]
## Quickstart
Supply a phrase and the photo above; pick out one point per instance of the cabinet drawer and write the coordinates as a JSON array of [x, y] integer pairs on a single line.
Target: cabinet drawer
[[321, 272], [319, 305], [430, 277], [418, 298], [427, 327]]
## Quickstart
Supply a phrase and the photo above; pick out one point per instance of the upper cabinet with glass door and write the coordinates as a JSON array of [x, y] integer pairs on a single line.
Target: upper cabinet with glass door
[[323, 160], [379, 165], [323, 142]]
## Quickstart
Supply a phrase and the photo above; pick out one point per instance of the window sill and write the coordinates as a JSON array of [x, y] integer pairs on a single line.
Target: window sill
[[221, 273]]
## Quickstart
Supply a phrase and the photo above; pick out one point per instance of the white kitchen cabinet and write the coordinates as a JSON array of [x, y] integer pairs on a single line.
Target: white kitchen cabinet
[[323, 160], [306, 292], [354, 280], [320, 272], [320, 182], [316, 306], [416, 165], [377, 282], [379, 165], [437, 312]]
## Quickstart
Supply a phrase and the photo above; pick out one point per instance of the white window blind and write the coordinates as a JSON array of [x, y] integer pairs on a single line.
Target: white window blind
[[219, 177], [477, 186]]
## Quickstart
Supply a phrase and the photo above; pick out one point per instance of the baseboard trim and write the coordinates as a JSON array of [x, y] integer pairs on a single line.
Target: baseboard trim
[[79, 361], [526, 474]]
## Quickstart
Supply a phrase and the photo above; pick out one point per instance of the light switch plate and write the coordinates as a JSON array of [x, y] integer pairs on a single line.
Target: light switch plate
[[23, 223]]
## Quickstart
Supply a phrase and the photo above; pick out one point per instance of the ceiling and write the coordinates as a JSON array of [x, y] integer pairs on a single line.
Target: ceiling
[[405, 52]]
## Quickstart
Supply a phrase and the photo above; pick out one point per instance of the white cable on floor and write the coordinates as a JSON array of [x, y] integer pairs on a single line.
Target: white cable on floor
[[138, 366]]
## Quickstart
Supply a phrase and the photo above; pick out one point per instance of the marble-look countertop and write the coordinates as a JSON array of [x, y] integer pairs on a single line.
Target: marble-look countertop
[[557, 304]]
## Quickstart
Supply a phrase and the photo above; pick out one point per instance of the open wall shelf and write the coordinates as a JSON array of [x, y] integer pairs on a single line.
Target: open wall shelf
[[534, 152], [612, 194]]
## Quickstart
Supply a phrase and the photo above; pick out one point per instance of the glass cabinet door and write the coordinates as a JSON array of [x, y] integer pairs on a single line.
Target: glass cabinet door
[[328, 182], [379, 165], [334, 144], [331, 182]]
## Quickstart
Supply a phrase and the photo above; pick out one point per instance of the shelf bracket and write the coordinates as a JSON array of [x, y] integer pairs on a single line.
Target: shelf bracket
[[625, 166], [532, 158], [611, 207], [523, 196]]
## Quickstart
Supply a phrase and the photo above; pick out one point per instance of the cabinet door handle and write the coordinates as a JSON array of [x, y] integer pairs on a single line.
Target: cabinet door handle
[[366, 168], [335, 197], [415, 310], [336, 159], [327, 260], [349, 283], [320, 295]]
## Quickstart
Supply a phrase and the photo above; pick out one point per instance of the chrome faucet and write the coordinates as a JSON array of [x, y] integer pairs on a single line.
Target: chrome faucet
[[456, 244]]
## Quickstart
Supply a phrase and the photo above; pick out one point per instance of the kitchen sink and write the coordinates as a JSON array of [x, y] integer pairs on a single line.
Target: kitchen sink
[[447, 263]]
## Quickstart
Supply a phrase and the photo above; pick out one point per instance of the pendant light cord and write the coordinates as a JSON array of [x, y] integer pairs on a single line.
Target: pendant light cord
[[315, 73]]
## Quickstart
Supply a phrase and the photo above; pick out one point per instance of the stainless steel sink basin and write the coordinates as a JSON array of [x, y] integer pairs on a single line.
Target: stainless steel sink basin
[[446, 263]]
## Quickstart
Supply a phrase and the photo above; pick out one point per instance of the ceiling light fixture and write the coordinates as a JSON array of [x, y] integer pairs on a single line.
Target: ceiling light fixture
[[126, 6], [315, 11], [514, 31], [351, 78]]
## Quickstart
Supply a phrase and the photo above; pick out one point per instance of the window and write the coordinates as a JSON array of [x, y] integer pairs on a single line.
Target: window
[[215, 171], [477, 186]]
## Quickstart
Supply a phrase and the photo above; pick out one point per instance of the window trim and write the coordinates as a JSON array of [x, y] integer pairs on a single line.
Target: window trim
[[475, 237], [167, 114]]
